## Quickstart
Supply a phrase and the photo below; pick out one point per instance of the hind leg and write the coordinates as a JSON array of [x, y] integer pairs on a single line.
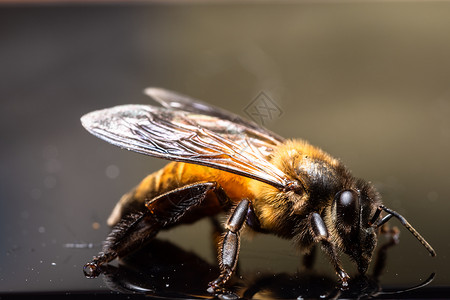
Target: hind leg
[[134, 230]]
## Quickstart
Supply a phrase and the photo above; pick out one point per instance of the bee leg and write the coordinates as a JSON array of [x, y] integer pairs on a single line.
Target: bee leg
[[309, 258], [135, 229], [127, 235], [217, 233], [230, 246], [392, 232], [320, 234], [381, 257]]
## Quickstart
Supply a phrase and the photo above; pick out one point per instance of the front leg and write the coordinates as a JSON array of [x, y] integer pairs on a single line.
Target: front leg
[[229, 252], [320, 234]]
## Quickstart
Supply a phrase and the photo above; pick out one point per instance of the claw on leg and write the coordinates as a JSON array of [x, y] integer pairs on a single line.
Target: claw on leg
[[91, 270]]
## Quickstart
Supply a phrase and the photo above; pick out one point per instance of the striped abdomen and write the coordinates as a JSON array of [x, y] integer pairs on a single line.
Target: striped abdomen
[[175, 175]]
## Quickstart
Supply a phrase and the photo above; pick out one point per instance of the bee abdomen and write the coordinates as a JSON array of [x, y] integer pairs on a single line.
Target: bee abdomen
[[151, 186]]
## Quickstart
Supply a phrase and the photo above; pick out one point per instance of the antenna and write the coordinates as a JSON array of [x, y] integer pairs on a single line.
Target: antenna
[[391, 213]]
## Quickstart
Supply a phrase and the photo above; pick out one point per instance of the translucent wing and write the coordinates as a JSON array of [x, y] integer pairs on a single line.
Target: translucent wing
[[170, 99], [188, 137]]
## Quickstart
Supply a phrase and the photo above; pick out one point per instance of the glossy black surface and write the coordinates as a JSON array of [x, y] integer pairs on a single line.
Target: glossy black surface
[[367, 82]]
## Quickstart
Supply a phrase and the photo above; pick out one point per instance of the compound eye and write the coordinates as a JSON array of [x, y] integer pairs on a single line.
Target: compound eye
[[347, 206]]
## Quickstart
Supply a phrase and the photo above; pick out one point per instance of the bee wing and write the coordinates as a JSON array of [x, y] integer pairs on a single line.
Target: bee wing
[[187, 137], [173, 100]]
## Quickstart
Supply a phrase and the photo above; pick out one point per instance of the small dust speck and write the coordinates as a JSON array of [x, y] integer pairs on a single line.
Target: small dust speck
[[41, 229], [95, 225], [53, 264]]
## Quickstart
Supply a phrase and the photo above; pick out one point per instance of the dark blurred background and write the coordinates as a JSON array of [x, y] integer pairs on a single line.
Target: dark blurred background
[[369, 82]]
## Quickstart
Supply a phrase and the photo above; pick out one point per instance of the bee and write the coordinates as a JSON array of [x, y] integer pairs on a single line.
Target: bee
[[224, 163]]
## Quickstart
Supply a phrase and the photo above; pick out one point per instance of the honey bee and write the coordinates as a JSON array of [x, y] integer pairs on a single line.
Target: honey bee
[[222, 162]]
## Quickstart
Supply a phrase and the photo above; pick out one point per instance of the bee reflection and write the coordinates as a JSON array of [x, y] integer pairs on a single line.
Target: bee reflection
[[163, 270]]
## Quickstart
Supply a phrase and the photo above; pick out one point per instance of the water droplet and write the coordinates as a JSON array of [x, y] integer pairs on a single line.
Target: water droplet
[[50, 182], [432, 196], [112, 171], [35, 194], [50, 152], [53, 166]]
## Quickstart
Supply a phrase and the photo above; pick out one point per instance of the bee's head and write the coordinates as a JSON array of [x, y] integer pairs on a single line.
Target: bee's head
[[351, 211]]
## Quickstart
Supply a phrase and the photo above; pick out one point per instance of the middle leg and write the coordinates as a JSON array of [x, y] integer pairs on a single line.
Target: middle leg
[[229, 251]]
